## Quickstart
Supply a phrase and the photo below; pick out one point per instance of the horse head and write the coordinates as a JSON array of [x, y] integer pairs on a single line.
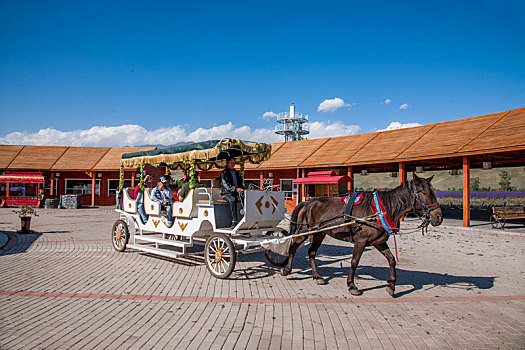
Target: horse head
[[425, 202]]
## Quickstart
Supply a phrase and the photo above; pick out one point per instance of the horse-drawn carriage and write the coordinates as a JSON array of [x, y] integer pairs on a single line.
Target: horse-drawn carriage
[[202, 217]]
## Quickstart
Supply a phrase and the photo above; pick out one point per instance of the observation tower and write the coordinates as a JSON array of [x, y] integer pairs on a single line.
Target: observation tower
[[294, 126]]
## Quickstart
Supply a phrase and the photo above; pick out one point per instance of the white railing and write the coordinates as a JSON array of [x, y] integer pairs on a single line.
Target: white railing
[[286, 115], [300, 128]]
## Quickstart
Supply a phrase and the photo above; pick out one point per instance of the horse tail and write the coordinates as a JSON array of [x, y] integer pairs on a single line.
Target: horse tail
[[295, 217]]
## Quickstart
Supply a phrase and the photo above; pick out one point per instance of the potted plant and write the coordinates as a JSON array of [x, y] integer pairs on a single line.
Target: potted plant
[[24, 213]]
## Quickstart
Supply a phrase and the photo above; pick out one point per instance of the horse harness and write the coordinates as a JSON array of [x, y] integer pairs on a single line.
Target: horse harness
[[426, 208], [378, 209]]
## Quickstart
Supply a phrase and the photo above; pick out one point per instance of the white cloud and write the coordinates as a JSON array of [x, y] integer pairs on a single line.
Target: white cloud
[[269, 115], [136, 135], [331, 105], [387, 101], [329, 129], [403, 106], [398, 125]]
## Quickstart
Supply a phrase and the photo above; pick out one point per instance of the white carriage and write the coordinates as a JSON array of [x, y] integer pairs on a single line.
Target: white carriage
[[203, 217]]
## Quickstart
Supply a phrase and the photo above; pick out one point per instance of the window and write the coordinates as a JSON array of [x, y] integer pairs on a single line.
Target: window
[[287, 187], [113, 186], [78, 186], [22, 190]]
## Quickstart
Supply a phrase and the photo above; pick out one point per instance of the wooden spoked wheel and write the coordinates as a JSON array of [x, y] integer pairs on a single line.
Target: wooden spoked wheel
[[120, 235], [497, 221], [220, 255], [274, 258]]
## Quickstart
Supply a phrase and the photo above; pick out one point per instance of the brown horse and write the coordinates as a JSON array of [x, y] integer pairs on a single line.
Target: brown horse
[[415, 196]]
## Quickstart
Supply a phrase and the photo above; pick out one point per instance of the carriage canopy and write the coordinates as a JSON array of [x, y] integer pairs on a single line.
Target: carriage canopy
[[201, 155]]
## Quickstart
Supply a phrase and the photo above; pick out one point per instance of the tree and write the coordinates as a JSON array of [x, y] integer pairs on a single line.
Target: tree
[[474, 184], [505, 180]]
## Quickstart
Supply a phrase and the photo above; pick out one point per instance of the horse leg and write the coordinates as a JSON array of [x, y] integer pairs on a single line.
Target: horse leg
[[293, 248], [391, 282], [359, 247], [316, 243]]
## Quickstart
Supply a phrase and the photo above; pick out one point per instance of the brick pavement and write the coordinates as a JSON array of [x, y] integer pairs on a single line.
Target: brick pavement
[[67, 288]]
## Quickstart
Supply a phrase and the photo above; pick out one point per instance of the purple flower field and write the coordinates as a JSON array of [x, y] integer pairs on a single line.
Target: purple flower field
[[481, 194]]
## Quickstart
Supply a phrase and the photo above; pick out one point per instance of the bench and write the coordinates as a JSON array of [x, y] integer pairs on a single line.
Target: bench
[[501, 214], [18, 201], [215, 201]]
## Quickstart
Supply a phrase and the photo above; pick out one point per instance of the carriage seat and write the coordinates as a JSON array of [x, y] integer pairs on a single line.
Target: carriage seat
[[185, 208], [215, 201], [129, 205], [150, 206]]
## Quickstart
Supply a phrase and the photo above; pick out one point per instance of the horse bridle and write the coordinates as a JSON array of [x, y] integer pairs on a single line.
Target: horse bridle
[[426, 208]]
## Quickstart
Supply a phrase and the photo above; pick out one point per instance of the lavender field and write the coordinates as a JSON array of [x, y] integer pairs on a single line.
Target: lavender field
[[481, 199]]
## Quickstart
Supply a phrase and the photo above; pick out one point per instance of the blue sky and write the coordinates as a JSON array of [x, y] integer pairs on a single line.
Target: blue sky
[[177, 71]]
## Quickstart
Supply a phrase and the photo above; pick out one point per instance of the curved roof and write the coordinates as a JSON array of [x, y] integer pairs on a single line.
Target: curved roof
[[491, 133], [62, 158]]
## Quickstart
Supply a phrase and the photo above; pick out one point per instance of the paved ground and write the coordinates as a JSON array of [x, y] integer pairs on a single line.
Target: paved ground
[[67, 288]]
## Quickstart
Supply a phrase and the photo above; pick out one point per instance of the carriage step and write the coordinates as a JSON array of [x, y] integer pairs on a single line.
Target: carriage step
[[163, 241], [163, 252]]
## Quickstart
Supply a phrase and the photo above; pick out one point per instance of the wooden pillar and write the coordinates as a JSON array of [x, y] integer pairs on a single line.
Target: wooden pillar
[[133, 179], [303, 187], [7, 189], [52, 184], [261, 178], [402, 173], [93, 189], [466, 191], [350, 174]]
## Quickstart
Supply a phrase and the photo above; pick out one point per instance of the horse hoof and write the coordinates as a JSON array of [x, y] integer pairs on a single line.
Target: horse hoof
[[320, 281], [354, 291], [285, 272], [390, 291]]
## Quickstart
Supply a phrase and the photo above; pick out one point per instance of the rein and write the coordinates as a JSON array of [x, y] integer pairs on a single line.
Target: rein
[[425, 217], [426, 208]]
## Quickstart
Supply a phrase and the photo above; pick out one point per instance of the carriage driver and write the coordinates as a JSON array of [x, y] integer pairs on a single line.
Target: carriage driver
[[231, 186], [163, 195]]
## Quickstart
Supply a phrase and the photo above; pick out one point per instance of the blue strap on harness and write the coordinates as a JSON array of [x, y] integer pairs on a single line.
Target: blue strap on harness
[[381, 215]]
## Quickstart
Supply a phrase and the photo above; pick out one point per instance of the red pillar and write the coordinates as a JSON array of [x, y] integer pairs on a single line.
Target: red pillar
[[93, 189], [52, 183], [402, 173], [350, 174], [261, 182], [466, 191], [133, 179]]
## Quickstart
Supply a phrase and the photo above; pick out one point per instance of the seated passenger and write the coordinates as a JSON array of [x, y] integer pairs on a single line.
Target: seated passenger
[[177, 185], [163, 195], [138, 195], [180, 182], [185, 189]]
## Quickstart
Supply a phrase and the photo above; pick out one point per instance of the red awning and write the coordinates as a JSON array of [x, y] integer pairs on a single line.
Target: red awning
[[24, 179], [319, 180]]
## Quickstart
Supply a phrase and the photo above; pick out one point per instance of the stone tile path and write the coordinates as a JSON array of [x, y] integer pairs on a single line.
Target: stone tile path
[[67, 288]]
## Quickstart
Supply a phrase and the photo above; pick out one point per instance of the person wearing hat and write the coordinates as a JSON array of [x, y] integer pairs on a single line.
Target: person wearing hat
[[186, 186], [231, 186], [163, 195]]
